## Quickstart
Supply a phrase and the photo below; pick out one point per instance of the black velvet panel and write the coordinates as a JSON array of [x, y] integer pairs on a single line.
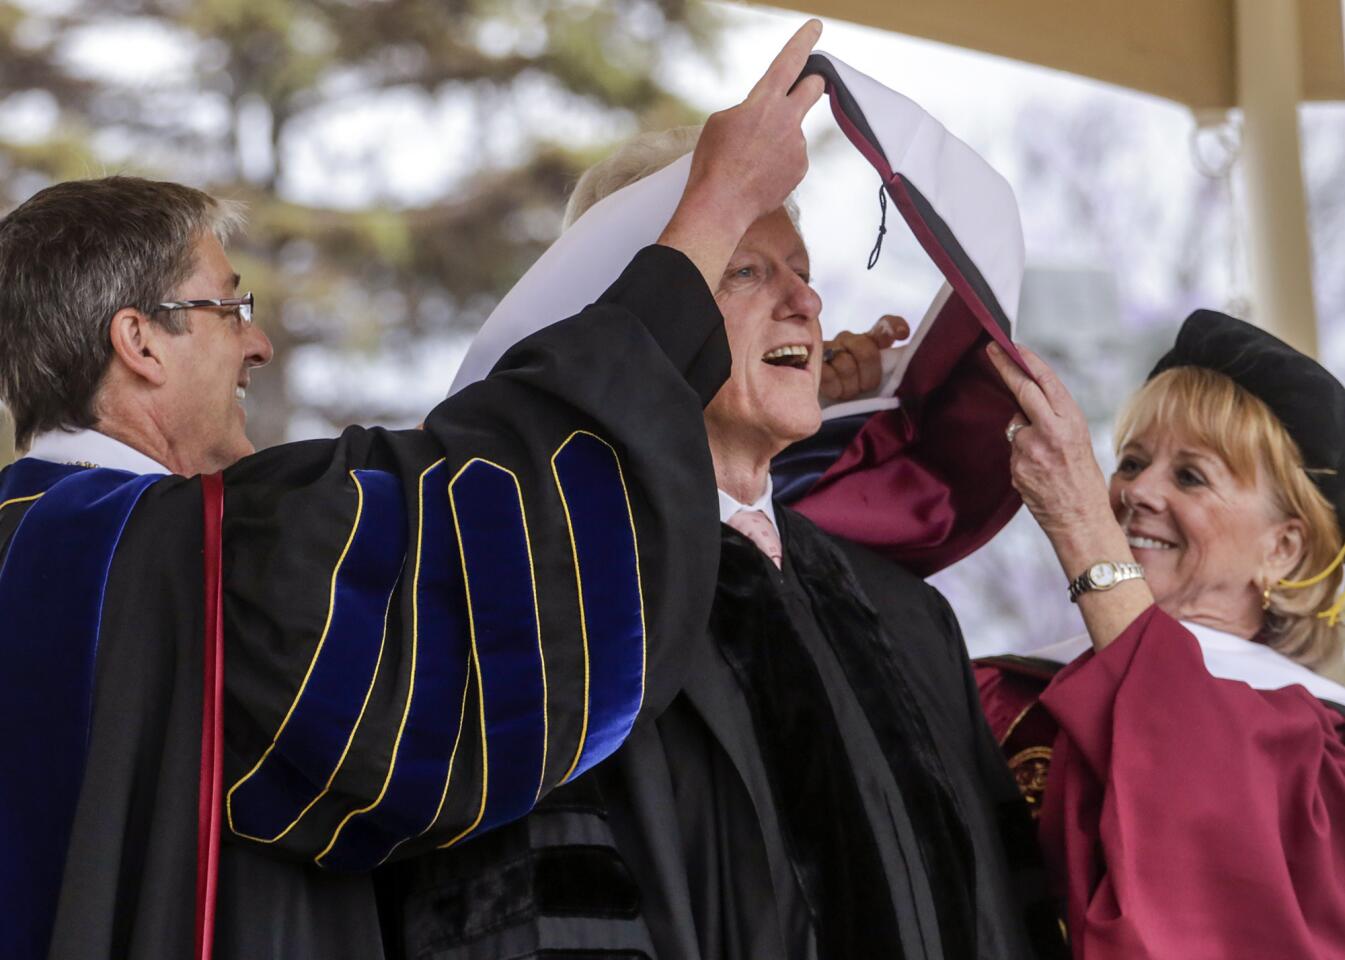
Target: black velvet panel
[[856, 635], [449, 898], [584, 881], [592, 955], [826, 830], [443, 902], [580, 795]]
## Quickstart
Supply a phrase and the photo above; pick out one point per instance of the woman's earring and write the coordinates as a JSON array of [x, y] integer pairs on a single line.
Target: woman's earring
[[1265, 598]]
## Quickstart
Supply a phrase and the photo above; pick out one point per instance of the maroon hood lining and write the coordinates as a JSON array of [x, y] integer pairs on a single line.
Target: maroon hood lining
[[928, 483]]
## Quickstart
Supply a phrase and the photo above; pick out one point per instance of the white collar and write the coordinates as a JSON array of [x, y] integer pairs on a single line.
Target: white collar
[[91, 447], [729, 506], [1228, 657]]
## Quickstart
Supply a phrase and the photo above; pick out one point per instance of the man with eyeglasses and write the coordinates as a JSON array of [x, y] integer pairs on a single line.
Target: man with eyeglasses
[[173, 374], [334, 652]]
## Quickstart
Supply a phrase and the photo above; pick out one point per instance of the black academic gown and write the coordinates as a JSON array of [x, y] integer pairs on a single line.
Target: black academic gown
[[823, 785], [425, 631]]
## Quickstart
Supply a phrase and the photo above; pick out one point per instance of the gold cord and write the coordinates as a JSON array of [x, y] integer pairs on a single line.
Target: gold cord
[[1332, 613], [1313, 581]]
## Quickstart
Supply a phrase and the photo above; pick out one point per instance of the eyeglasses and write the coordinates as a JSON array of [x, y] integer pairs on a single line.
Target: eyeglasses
[[242, 306]]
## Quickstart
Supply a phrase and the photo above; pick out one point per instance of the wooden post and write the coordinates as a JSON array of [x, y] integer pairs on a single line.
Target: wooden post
[[1269, 75]]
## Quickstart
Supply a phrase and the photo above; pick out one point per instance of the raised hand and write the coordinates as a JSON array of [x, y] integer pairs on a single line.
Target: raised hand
[[1052, 460], [1054, 469], [748, 159], [751, 156], [856, 361]]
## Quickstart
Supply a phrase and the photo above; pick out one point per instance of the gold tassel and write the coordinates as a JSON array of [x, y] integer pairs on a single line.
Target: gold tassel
[[1332, 613]]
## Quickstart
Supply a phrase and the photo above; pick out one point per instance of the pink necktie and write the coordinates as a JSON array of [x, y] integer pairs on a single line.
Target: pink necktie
[[757, 527]]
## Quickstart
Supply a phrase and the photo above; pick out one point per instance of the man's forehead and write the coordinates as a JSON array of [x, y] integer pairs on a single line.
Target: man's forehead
[[213, 266], [774, 233]]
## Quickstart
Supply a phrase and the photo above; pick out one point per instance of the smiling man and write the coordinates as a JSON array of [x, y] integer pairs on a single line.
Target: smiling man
[[341, 651], [821, 784], [173, 376], [775, 337]]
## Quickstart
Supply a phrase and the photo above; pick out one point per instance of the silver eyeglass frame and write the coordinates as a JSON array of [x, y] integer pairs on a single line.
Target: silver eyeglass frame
[[243, 305]]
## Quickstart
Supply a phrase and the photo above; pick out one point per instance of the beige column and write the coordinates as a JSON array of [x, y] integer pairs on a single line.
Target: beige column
[[1269, 81], [6, 437]]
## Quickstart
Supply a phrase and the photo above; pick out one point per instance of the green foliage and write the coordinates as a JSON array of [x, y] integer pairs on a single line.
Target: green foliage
[[66, 155], [10, 17], [252, 78]]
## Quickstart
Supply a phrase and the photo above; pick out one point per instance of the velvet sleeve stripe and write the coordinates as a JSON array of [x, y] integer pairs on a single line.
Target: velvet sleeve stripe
[[506, 641], [464, 702], [51, 602], [308, 749], [607, 569], [420, 767]]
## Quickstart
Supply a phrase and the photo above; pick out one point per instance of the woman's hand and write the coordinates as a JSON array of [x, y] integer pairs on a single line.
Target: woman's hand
[[856, 364], [1052, 458], [1058, 477]]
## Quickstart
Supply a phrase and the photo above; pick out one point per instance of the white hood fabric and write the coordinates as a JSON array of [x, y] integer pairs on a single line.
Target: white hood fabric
[[961, 210], [918, 470], [1227, 657]]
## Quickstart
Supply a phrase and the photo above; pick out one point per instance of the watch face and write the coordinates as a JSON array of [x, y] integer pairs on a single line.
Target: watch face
[[1102, 575]]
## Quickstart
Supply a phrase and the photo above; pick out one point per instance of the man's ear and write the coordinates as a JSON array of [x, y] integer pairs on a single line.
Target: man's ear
[[138, 342]]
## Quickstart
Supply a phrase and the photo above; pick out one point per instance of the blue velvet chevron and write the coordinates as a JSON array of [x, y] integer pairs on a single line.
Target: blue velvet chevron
[[506, 642], [51, 602], [477, 667], [416, 784], [296, 771], [602, 533]]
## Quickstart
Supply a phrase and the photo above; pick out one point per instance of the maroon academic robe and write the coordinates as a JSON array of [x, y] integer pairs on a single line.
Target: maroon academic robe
[[1184, 816]]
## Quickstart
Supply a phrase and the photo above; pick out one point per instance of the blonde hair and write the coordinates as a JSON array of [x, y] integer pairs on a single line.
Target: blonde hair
[[641, 156], [1210, 409]]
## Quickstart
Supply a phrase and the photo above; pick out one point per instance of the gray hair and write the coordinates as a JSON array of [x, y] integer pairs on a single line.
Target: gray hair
[[639, 157], [71, 256]]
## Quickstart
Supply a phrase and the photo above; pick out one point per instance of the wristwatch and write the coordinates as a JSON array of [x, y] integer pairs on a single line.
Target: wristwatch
[[1103, 576]]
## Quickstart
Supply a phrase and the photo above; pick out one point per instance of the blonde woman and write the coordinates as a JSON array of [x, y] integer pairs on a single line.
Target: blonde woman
[[1187, 763]]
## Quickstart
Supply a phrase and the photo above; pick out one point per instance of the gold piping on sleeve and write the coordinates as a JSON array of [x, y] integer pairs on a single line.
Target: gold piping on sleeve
[[476, 659], [411, 682], [639, 578], [312, 663], [579, 582], [453, 757], [541, 650], [373, 679], [583, 619]]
